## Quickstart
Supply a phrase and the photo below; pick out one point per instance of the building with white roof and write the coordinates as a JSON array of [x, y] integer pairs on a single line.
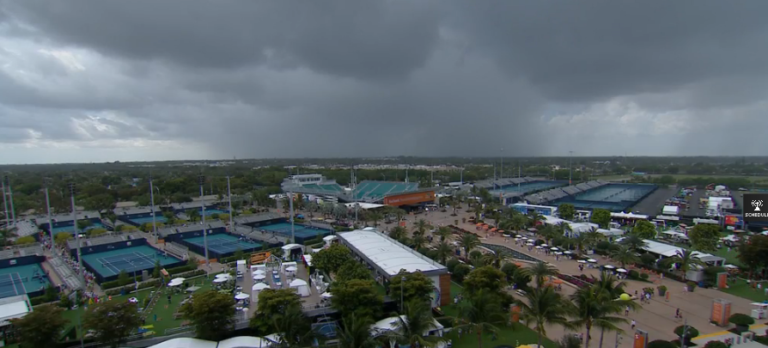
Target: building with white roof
[[14, 307], [388, 257]]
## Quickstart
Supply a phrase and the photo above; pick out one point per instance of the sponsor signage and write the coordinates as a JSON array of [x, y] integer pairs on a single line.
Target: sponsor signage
[[755, 208], [733, 220], [410, 198]]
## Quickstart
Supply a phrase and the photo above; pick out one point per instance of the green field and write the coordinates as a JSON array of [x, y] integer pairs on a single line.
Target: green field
[[163, 310], [742, 289]]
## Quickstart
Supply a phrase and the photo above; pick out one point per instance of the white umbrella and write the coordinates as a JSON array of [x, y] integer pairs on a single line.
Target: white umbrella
[[567, 252], [259, 286], [545, 245], [177, 280], [591, 260], [173, 284], [529, 243], [242, 296], [290, 269], [530, 239], [224, 276], [621, 270], [553, 248], [609, 267], [326, 295], [259, 277], [558, 253], [258, 271], [219, 280], [539, 247], [582, 261]]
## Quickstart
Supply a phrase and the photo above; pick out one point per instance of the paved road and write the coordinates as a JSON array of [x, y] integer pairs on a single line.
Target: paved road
[[694, 209], [653, 204]]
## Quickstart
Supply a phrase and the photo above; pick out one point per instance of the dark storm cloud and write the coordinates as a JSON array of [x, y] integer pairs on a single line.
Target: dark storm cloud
[[350, 78]]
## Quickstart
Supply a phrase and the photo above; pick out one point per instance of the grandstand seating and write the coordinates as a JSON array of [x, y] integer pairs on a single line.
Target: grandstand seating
[[379, 189], [177, 250], [67, 275]]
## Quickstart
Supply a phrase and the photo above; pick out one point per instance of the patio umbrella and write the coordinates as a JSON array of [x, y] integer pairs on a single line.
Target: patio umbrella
[[290, 269], [242, 296], [553, 248], [219, 280], [592, 261], [567, 252], [609, 267], [621, 270], [259, 286], [259, 271], [538, 246], [529, 243], [582, 261], [224, 276], [259, 277], [558, 253], [326, 295], [545, 245], [177, 280], [173, 283]]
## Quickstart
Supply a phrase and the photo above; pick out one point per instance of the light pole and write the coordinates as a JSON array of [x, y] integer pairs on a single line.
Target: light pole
[[5, 202], [152, 201], [618, 339], [570, 168], [79, 255], [501, 170], [231, 213], [402, 281], [10, 193], [48, 209], [290, 208], [205, 230]]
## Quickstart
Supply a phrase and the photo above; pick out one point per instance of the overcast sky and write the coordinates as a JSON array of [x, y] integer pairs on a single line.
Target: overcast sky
[[93, 81]]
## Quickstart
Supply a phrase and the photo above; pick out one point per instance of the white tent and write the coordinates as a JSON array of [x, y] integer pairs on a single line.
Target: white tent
[[291, 246], [328, 239], [670, 210], [301, 287], [185, 342], [391, 324], [245, 342], [610, 232]]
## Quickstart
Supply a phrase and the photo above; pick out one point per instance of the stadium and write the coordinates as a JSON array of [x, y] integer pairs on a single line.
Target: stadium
[[511, 190], [595, 195], [400, 194]]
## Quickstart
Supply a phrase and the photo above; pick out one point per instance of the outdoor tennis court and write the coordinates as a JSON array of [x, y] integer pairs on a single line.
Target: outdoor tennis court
[[223, 244], [327, 329], [132, 259], [20, 280], [71, 229], [302, 232]]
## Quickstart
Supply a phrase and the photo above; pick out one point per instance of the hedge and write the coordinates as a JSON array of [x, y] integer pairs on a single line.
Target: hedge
[[116, 283], [181, 269], [129, 288]]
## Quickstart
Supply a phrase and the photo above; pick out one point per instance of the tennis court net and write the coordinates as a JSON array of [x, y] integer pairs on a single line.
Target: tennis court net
[[231, 243], [128, 260], [12, 281]]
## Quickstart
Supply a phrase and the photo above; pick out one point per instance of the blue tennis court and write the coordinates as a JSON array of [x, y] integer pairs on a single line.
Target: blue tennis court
[[71, 229], [148, 220], [223, 244], [132, 259], [327, 329], [20, 280], [302, 232]]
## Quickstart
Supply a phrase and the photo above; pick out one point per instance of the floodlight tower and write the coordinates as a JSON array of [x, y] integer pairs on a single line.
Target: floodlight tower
[[201, 178], [10, 193], [72, 192], [290, 208], [46, 182], [5, 202], [501, 169], [570, 168], [231, 213], [152, 201]]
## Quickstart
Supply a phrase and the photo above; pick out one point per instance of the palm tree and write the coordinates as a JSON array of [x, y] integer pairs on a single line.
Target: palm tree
[[375, 217], [624, 255], [356, 333], [421, 226], [544, 306], [418, 241], [468, 241], [633, 242], [443, 251], [611, 288], [595, 307], [481, 313], [398, 233], [413, 324], [194, 215], [540, 271], [443, 232], [684, 259], [294, 328], [580, 242], [495, 259], [549, 233], [534, 218]]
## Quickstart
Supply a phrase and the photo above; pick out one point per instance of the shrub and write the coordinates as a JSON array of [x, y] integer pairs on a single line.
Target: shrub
[[690, 333], [661, 344], [182, 269], [644, 276], [38, 300], [633, 274], [451, 264], [662, 288], [648, 260], [459, 272], [740, 319], [715, 344]]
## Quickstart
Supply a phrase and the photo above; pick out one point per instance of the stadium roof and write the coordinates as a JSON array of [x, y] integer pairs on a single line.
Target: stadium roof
[[165, 231], [366, 191], [136, 210], [667, 250], [13, 308], [388, 255]]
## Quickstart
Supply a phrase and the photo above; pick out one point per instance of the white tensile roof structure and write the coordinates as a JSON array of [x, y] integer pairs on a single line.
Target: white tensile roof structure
[[185, 342], [388, 255], [245, 342], [14, 308]]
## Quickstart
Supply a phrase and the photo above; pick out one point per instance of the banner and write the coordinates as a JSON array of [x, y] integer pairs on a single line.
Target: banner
[[733, 220]]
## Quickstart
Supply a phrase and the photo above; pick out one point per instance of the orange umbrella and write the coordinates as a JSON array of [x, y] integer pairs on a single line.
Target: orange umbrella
[[518, 264], [558, 281], [494, 229], [501, 231], [485, 227], [480, 224]]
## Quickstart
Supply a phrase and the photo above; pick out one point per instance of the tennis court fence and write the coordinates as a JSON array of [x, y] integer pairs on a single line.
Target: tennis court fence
[[12, 281], [128, 260], [177, 250]]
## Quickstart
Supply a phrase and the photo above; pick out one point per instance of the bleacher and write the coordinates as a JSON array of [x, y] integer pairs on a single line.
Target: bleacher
[[100, 240], [31, 249], [267, 238], [331, 188], [374, 190], [247, 219], [562, 192], [67, 275], [177, 250]]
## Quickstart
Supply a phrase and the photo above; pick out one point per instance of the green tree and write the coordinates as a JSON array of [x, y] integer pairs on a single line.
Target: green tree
[[754, 253], [624, 256], [415, 285], [540, 271], [633, 242], [355, 332], [375, 217], [595, 307], [644, 230], [25, 240], [467, 242], [332, 258], [481, 313], [566, 211], [705, 237], [61, 238], [123, 278], [211, 313], [357, 296], [443, 251], [460, 272], [686, 333], [411, 326], [111, 321], [611, 288], [194, 215], [601, 217], [488, 279], [399, 234], [353, 270], [294, 327], [270, 304], [156, 270], [421, 226], [41, 327], [444, 233], [684, 260], [544, 306]]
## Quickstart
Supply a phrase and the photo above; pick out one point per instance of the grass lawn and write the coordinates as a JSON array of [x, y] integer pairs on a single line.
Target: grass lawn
[[730, 256], [742, 289], [163, 310], [513, 335]]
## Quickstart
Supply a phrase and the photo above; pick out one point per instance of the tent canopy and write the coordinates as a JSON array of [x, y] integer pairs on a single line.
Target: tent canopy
[[185, 342], [244, 342], [291, 246]]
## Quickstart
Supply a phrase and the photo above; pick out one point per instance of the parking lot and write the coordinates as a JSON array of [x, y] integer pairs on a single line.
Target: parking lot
[[652, 204]]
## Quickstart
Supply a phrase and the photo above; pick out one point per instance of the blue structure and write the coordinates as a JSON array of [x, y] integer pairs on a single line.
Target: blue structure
[[539, 209], [23, 275], [64, 222], [613, 197], [282, 226], [140, 216]]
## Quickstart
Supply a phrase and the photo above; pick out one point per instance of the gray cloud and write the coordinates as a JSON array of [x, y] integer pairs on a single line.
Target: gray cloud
[[345, 78]]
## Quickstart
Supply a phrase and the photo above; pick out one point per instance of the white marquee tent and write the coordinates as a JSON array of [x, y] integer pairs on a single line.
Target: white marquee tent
[[185, 342], [301, 287]]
